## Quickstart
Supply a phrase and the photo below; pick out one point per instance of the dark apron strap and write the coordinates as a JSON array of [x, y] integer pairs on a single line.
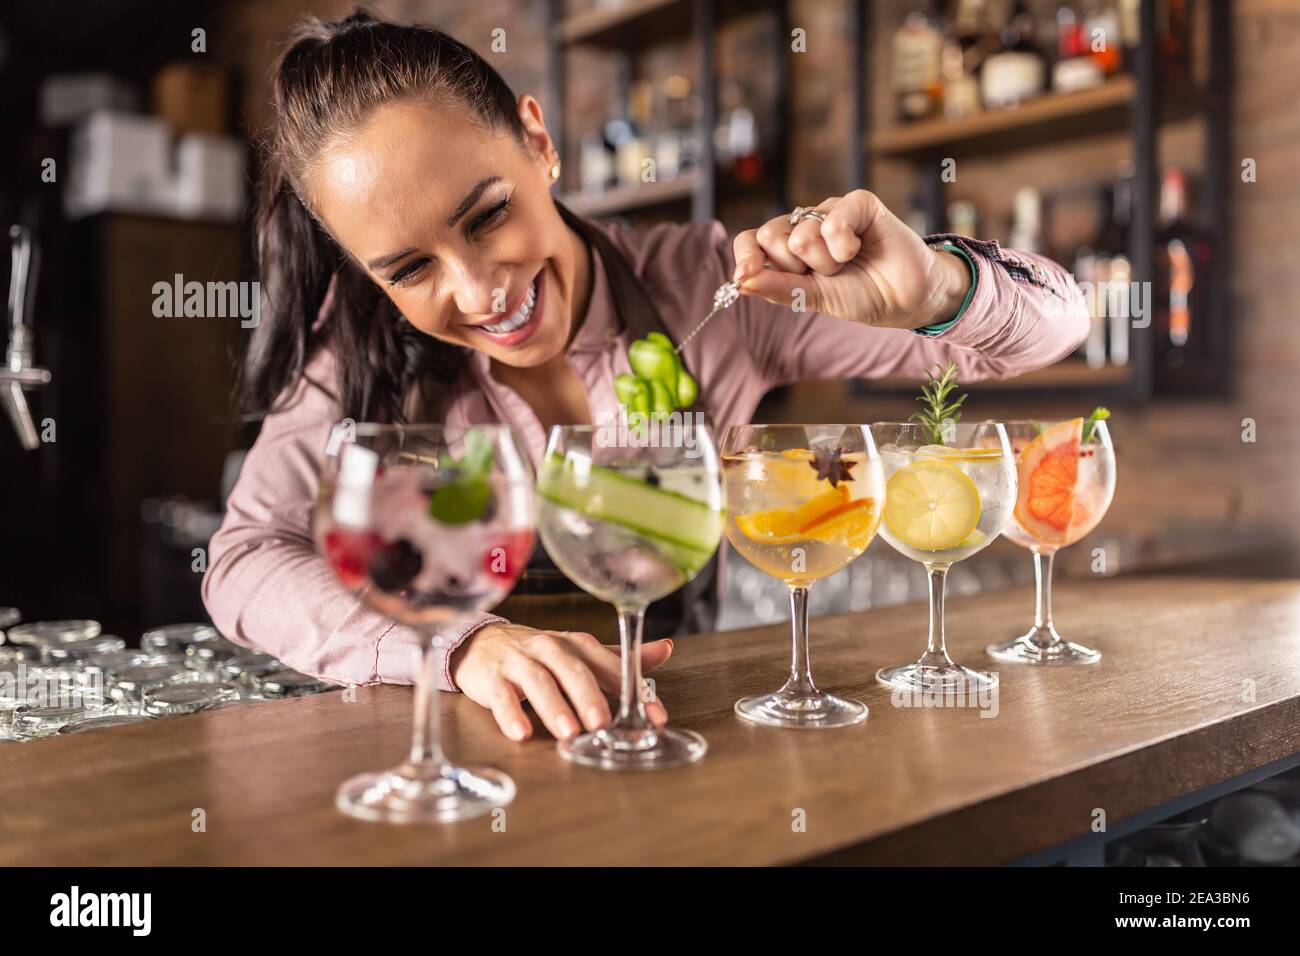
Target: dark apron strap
[[694, 607], [636, 311]]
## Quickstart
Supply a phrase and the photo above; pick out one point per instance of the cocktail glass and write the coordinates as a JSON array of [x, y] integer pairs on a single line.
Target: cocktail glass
[[1066, 485], [630, 517], [947, 497], [427, 524], [802, 502]]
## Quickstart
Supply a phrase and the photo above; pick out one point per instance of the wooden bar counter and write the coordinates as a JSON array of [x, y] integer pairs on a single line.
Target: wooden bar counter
[[1200, 683]]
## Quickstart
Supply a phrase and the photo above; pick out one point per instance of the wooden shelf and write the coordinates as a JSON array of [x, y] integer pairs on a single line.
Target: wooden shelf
[[637, 24], [1050, 118], [1068, 374], [621, 199], [634, 23]]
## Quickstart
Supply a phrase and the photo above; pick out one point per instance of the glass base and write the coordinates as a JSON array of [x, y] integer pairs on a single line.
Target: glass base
[[407, 795], [783, 708], [922, 677], [617, 749], [1032, 649]]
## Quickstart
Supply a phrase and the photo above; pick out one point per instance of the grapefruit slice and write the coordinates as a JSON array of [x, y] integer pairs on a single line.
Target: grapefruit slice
[[1049, 474]]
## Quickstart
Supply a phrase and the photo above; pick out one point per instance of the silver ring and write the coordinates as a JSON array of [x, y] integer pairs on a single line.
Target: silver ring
[[806, 212]]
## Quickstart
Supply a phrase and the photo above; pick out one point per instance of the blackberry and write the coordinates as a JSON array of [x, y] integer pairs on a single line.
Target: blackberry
[[395, 566]]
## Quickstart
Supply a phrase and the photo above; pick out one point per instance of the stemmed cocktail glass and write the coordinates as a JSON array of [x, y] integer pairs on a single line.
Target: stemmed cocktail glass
[[802, 502], [631, 520], [1066, 484], [947, 497], [427, 524]]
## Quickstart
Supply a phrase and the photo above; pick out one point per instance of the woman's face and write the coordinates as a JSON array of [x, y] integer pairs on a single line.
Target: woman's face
[[456, 224]]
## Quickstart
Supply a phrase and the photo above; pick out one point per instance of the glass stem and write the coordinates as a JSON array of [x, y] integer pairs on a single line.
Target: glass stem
[[936, 649], [1044, 631], [800, 681], [426, 737], [631, 709]]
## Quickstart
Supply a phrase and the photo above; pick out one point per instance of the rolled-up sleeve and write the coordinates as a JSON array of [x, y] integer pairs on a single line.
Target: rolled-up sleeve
[[1025, 312]]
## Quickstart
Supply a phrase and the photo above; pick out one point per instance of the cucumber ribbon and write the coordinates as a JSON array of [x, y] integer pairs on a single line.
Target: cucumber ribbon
[[659, 384]]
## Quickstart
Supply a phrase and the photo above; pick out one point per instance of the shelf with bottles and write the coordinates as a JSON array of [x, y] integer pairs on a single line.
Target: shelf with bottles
[[652, 151], [993, 77], [1047, 119], [1167, 322]]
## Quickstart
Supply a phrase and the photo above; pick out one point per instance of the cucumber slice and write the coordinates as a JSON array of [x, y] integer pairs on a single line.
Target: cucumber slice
[[609, 495]]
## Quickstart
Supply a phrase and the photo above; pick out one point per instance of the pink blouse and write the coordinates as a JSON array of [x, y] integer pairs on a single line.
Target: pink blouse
[[267, 587]]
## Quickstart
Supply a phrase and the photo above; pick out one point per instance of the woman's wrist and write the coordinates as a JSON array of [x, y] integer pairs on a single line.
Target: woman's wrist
[[952, 287]]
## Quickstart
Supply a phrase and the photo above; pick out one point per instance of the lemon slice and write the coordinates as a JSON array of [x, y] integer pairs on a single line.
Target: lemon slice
[[931, 505]]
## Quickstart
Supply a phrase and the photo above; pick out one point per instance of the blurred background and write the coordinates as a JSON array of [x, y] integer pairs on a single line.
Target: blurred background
[[1133, 140]]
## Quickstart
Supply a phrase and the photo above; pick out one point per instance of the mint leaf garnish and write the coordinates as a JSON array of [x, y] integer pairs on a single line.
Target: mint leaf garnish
[[468, 496]]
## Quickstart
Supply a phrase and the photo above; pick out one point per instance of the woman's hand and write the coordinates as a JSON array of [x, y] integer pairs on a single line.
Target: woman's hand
[[862, 264], [558, 672]]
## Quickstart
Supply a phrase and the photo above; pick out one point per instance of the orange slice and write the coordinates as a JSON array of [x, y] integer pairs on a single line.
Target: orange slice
[[783, 525], [777, 526], [852, 525], [1049, 472], [814, 509]]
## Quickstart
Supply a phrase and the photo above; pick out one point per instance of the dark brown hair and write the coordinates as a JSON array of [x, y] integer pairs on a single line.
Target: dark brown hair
[[330, 77]]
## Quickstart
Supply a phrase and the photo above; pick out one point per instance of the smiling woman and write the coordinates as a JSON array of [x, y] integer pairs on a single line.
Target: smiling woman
[[416, 267]]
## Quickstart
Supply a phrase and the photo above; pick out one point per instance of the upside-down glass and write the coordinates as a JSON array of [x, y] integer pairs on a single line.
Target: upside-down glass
[[1066, 485], [943, 503], [630, 523], [427, 524], [802, 502]]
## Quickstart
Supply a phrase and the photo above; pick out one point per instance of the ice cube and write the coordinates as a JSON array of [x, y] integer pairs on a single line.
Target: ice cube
[[936, 451]]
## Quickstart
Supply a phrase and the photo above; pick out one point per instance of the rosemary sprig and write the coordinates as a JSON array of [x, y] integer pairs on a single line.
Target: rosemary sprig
[[1099, 414], [937, 409]]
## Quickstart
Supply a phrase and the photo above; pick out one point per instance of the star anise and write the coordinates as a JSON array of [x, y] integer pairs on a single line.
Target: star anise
[[831, 466]]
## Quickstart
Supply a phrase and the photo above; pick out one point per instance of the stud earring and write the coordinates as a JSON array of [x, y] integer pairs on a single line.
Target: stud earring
[[555, 171]]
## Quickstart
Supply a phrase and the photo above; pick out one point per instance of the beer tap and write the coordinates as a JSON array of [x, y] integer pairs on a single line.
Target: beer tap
[[18, 375]]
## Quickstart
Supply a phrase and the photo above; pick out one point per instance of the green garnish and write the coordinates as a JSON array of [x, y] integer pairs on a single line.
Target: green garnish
[[1099, 414], [937, 410], [659, 384], [468, 495]]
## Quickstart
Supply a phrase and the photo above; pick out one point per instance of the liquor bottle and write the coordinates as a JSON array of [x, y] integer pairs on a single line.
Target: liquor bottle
[[735, 141], [672, 126], [596, 163], [964, 53], [636, 149], [1018, 71], [1093, 348], [918, 68], [1184, 351], [1076, 68], [963, 218], [1114, 270], [1173, 35], [1102, 34], [1070, 38], [1027, 227]]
